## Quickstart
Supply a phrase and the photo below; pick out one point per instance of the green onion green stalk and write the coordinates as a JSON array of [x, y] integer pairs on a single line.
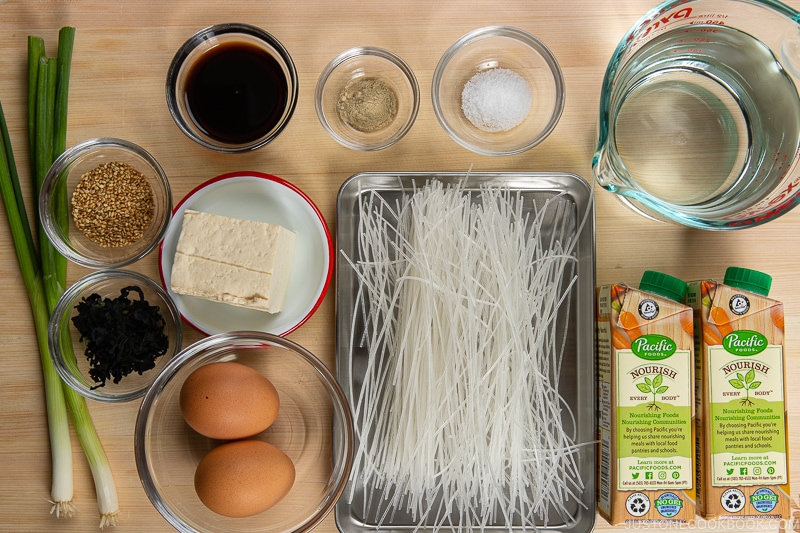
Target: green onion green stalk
[[44, 272]]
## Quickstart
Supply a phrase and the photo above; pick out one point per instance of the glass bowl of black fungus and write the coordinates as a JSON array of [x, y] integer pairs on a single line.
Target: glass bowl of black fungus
[[111, 333]]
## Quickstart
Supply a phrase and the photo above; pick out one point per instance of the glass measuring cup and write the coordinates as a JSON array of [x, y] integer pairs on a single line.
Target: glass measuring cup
[[700, 114]]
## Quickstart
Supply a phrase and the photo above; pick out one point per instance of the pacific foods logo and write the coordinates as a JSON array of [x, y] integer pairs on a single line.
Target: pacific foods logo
[[744, 343], [653, 347]]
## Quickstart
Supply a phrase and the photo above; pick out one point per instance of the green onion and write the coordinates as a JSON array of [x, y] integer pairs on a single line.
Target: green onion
[[58, 424], [61, 490], [105, 488], [44, 273], [42, 158], [66, 40], [35, 52]]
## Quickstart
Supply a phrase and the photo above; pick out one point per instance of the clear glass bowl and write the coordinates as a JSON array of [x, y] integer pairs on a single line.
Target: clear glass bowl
[[345, 75], [490, 48], [56, 210], [314, 428], [68, 352], [194, 50]]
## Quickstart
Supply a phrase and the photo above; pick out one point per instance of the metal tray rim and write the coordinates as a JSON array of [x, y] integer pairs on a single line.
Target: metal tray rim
[[582, 193]]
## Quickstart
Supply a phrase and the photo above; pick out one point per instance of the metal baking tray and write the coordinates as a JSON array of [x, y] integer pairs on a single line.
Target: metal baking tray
[[577, 384]]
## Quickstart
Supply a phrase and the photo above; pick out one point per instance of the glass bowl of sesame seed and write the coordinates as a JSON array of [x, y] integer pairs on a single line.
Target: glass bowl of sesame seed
[[105, 203], [498, 91]]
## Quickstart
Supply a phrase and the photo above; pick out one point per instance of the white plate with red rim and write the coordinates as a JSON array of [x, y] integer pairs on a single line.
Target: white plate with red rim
[[264, 198]]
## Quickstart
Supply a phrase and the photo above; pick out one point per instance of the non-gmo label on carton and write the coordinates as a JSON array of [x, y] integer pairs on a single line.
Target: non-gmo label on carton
[[764, 500], [668, 504], [748, 436], [654, 439]]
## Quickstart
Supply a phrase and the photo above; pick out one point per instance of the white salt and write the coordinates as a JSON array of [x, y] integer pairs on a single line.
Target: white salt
[[496, 100]]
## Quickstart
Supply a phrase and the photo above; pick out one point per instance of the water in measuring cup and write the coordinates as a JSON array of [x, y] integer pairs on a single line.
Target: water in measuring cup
[[709, 118]]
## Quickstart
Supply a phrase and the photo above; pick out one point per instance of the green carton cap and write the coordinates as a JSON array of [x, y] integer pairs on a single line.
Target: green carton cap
[[748, 280], [663, 285]]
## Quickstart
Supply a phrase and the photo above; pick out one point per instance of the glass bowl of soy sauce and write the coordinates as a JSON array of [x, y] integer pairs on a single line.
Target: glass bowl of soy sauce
[[232, 87]]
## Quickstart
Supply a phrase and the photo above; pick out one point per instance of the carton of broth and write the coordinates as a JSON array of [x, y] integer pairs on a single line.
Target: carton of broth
[[743, 464], [646, 404]]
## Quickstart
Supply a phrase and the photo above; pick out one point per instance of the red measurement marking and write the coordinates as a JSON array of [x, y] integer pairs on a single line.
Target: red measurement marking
[[662, 20]]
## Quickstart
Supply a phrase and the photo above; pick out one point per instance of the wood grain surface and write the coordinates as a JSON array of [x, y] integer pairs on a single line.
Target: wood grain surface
[[122, 52]]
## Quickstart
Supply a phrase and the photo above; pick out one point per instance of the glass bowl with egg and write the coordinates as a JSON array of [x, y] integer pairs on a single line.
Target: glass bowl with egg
[[105, 203], [498, 91], [284, 413], [367, 98]]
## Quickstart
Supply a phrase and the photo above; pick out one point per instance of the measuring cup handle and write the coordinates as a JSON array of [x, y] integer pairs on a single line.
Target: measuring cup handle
[[605, 174], [790, 50]]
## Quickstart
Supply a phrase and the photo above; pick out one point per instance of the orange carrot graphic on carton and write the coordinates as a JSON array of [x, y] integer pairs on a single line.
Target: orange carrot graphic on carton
[[687, 323], [776, 314], [620, 340], [721, 319], [627, 319]]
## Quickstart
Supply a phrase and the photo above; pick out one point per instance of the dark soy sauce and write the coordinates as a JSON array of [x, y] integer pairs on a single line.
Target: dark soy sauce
[[236, 92]]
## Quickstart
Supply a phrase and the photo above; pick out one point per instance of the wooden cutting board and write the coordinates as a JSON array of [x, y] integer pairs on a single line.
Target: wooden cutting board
[[121, 55]]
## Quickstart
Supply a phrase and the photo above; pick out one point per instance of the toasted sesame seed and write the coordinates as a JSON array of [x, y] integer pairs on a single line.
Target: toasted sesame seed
[[113, 205]]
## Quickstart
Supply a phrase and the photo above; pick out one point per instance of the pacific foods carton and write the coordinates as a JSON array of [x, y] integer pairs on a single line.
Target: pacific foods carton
[[646, 404], [743, 463]]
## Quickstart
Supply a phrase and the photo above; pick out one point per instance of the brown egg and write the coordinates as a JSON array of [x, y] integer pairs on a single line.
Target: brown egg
[[243, 477], [228, 401]]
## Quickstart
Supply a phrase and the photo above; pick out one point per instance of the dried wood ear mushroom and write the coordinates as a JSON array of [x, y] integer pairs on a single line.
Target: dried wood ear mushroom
[[121, 335], [113, 205]]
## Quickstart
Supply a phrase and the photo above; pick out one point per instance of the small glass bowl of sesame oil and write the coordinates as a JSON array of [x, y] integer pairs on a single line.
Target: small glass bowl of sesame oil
[[105, 203]]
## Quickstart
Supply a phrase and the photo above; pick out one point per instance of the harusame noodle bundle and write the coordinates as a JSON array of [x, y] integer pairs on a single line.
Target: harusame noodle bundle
[[459, 420]]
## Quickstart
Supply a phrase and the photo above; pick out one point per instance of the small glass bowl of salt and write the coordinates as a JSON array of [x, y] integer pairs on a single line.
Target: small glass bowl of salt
[[498, 91]]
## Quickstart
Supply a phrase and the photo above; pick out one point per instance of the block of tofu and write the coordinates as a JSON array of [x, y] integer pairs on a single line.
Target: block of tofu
[[239, 262]]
